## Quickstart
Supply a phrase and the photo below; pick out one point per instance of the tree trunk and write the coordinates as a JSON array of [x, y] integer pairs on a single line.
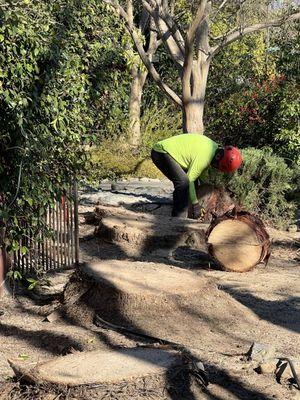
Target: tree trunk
[[193, 117], [193, 105], [136, 90]]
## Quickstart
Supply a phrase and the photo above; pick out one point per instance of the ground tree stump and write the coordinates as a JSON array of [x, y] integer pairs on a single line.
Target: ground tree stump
[[120, 374]]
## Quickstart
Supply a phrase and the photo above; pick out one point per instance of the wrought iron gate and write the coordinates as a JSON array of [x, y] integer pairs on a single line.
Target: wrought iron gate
[[60, 249]]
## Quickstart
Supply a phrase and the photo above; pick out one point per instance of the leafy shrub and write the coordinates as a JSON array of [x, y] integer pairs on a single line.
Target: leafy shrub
[[147, 169], [158, 123], [113, 158], [49, 55], [263, 114], [261, 185]]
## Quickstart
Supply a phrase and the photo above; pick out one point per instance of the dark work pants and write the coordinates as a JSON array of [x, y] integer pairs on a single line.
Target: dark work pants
[[173, 171]]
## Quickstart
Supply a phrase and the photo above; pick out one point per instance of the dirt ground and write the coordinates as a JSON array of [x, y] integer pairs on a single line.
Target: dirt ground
[[259, 306]]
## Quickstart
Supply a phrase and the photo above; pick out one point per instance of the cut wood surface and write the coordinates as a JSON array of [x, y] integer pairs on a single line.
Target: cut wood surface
[[238, 241], [100, 367]]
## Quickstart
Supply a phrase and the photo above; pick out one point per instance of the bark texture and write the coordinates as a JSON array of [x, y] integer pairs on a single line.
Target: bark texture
[[135, 102]]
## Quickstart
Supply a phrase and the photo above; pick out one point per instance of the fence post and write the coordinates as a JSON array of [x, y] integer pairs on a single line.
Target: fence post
[[2, 271], [76, 223]]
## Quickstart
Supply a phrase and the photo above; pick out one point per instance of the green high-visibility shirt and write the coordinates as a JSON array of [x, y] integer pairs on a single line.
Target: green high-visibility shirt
[[193, 152]]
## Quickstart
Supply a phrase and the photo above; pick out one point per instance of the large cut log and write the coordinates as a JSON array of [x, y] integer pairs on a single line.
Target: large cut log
[[238, 241]]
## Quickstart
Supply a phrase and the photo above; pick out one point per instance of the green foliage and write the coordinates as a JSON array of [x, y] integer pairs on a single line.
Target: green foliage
[[263, 114], [147, 169], [14, 275], [261, 185], [50, 55], [285, 49], [32, 283], [113, 158], [17, 279], [287, 137], [158, 123]]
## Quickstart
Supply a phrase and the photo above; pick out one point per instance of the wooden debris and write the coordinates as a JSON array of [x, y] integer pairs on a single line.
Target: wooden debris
[[214, 200]]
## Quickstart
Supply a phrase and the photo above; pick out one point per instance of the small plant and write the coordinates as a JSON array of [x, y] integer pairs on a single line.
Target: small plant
[[14, 276], [32, 283], [17, 279]]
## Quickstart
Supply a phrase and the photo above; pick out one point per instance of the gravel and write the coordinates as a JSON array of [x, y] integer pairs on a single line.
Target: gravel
[[135, 191]]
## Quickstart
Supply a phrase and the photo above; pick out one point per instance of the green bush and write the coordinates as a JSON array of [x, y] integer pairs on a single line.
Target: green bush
[[261, 185], [50, 52], [157, 123], [147, 169], [113, 158], [260, 114]]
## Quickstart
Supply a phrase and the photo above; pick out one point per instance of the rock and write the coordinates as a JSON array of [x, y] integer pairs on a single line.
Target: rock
[[260, 352], [268, 366], [292, 228], [54, 316]]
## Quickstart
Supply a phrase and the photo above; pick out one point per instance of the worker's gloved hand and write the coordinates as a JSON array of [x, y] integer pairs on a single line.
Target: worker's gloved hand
[[198, 211]]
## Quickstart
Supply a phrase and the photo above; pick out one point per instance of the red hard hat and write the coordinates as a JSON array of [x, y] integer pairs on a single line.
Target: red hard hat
[[231, 160]]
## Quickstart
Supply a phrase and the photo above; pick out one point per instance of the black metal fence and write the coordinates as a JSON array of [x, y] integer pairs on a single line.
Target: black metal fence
[[59, 249]]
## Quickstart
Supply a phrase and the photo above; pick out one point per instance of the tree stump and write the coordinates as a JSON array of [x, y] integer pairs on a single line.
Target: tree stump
[[215, 200], [146, 232], [115, 374], [238, 241]]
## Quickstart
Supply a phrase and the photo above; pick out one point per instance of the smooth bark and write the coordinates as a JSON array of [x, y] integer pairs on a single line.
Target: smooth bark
[[191, 56], [135, 101]]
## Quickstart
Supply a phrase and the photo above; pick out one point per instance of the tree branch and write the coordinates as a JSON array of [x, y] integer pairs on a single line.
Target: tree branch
[[153, 42], [120, 10], [130, 13], [153, 72], [219, 9], [197, 20], [167, 35], [144, 57], [202, 37], [174, 29], [238, 33], [189, 50]]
